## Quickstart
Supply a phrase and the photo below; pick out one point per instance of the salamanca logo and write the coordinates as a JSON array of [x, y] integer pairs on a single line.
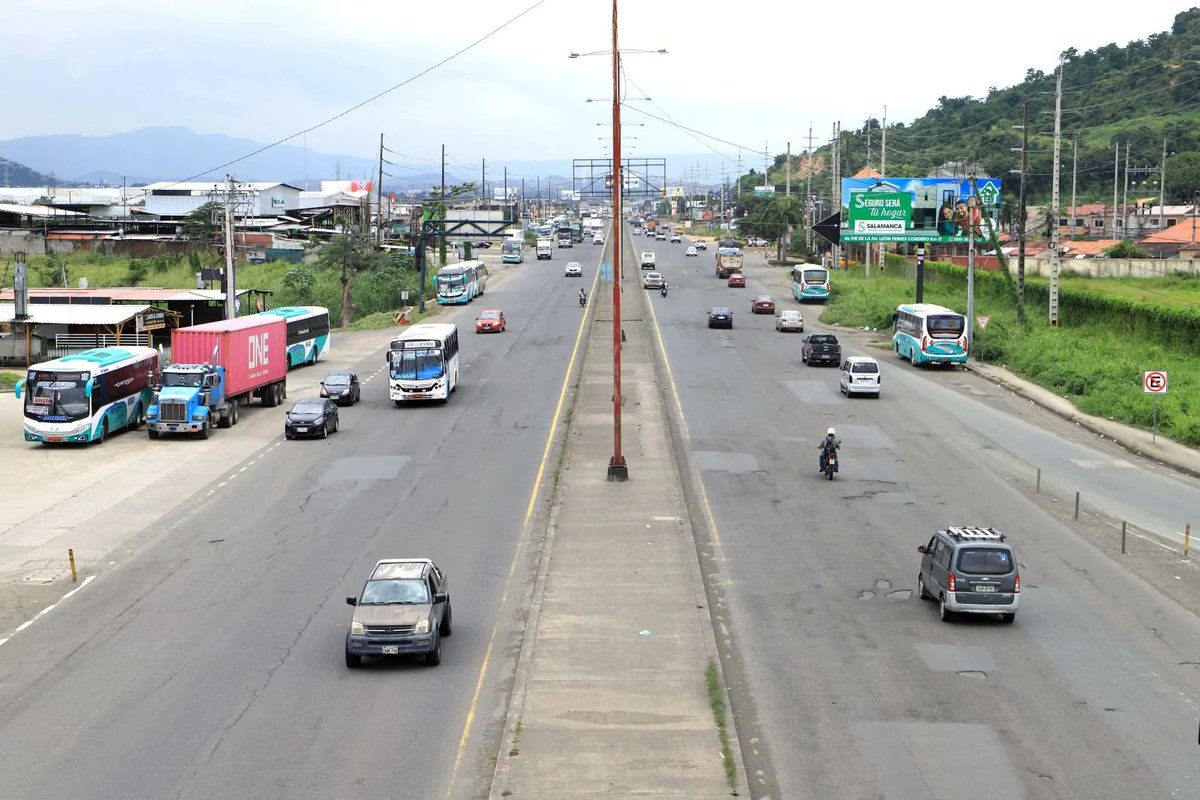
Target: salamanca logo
[[259, 351]]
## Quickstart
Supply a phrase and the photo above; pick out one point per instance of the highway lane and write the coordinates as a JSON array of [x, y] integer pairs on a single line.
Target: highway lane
[[209, 663], [852, 687]]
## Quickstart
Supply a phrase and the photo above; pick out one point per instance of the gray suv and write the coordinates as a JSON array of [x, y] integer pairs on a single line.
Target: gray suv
[[970, 570], [404, 609]]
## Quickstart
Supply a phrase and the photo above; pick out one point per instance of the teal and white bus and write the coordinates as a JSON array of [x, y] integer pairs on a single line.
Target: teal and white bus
[[928, 334], [810, 283], [512, 251], [86, 396], [307, 332], [460, 283], [423, 363]]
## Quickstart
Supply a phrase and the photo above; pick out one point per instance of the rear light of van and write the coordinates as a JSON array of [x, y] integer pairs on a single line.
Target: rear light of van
[[950, 582], [1017, 587]]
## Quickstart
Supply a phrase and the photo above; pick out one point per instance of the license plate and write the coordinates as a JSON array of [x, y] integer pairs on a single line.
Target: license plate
[[390, 650], [420, 396], [301, 430], [985, 588]]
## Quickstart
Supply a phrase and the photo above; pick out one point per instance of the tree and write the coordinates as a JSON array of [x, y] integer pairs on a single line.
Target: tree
[[779, 216], [1183, 176], [199, 226], [350, 253], [436, 210], [1126, 248]]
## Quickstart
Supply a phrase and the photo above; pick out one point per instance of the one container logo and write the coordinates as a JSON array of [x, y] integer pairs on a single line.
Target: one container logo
[[259, 351]]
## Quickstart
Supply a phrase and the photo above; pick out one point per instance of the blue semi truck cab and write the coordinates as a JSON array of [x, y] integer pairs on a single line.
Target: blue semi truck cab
[[191, 399]]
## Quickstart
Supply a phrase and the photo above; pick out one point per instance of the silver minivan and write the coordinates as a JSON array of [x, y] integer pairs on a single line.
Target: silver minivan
[[970, 570]]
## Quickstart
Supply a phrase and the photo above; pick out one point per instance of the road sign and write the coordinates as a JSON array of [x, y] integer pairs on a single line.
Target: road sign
[[983, 321], [1154, 381], [830, 228]]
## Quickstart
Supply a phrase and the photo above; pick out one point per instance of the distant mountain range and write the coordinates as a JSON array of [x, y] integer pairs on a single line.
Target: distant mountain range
[[177, 153]]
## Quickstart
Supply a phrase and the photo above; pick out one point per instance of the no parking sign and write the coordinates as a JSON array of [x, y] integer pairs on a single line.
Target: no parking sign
[[1154, 381]]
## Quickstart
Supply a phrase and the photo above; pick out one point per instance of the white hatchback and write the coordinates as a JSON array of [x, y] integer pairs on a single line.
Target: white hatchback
[[860, 375]]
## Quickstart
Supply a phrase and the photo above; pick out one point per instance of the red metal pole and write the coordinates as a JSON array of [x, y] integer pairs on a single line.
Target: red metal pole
[[617, 469]]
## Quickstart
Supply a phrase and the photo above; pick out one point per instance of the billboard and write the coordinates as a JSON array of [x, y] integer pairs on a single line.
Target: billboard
[[918, 209]]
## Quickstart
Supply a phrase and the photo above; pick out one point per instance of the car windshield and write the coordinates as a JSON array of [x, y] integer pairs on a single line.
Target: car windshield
[[945, 326], [182, 378], [52, 399], [985, 561], [417, 364], [337, 380], [402, 591], [303, 407], [866, 367]]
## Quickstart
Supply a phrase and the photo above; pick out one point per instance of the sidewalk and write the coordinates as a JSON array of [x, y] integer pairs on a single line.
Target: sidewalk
[[609, 698]]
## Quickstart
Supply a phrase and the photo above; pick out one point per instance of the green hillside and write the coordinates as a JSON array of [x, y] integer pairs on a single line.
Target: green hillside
[[14, 174], [1138, 93]]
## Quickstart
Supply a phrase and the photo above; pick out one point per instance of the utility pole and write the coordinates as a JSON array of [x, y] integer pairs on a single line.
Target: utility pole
[[808, 216], [1054, 254], [618, 470], [1116, 182], [883, 146], [379, 193], [539, 199], [483, 181], [836, 194], [972, 208], [766, 160], [787, 186], [230, 259], [1074, 177], [506, 186], [1162, 192], [1021, 211], [441, 239], [1125, 196]]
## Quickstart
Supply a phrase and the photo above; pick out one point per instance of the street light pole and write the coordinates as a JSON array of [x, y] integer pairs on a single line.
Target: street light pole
[[617, 468]]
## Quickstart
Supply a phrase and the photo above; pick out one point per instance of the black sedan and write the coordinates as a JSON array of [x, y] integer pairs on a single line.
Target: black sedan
[[342, 388], [312, 417], [720, 317]]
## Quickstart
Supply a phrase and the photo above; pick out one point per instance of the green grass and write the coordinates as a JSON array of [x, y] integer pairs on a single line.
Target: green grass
[[9, 379], [1097, 367], [716, 699], [1178, 291]]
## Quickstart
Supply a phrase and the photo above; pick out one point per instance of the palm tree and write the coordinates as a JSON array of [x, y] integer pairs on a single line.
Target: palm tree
[[780, 216]]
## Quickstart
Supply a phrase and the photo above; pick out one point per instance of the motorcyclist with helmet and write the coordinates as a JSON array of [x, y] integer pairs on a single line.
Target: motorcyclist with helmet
[[830, 444]]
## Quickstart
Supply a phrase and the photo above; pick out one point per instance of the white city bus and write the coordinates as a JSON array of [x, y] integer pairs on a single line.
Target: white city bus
[[512, 251], [461, 283], [88, 395], [928, 334], [810, 282], [423, 363]]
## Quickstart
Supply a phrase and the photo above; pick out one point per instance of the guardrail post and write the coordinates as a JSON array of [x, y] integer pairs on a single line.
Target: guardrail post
[[1187, 539], [71, 556]]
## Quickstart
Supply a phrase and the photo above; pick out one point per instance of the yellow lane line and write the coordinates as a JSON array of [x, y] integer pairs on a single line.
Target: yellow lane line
[[512, 567]]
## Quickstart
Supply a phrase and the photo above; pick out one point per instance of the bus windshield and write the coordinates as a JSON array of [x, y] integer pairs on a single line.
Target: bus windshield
[[451, 280], [53, 398], [815, 276], [510, 247], [417, 365], [945, 326]]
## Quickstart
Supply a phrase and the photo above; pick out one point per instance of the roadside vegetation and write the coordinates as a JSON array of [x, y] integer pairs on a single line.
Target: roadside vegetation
[[716, 699], [8, 379], [1096, 357]]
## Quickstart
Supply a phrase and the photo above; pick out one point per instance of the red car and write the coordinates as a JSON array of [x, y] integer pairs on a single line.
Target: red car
[[737, 280], [490, 322], [763, 304]]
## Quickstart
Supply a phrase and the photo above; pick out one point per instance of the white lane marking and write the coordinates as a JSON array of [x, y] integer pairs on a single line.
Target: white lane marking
[[48, 609]]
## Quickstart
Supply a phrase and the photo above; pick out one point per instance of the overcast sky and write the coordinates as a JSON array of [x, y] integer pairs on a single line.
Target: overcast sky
[[752, 72]]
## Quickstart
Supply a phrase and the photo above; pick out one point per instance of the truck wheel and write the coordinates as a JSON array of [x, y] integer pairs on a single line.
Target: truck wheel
[[281, 390], [233, 411], [153, 433], [206, 430], [226, 418]]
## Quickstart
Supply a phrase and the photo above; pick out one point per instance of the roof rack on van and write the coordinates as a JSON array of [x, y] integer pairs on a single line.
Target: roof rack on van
[[972, 532]]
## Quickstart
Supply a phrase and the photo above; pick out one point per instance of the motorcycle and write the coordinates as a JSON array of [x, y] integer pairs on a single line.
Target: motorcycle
[[831, 464], [582, 300], [663, 291]]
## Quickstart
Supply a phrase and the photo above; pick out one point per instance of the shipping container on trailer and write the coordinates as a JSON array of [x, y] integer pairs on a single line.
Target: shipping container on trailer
[[252, 349]]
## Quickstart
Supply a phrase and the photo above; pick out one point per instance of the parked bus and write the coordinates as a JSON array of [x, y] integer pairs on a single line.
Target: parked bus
[[423, 363], [461, 282], [929, 334], [307, 332], [810, 282], [86, 396], [512, 251]]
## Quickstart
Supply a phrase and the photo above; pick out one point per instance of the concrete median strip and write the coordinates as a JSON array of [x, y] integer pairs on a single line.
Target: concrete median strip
[[618, 689]]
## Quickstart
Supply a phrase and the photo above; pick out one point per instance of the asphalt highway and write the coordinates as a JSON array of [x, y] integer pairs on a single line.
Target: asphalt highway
[[844, 683], [208, 664]]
